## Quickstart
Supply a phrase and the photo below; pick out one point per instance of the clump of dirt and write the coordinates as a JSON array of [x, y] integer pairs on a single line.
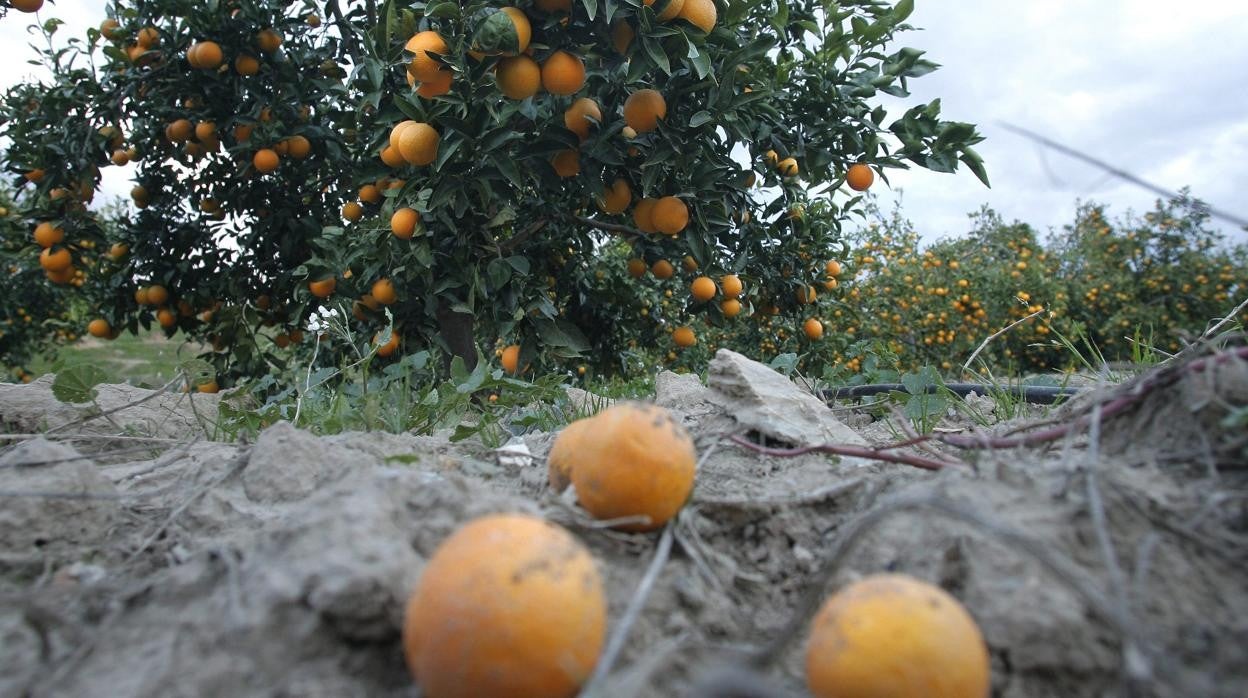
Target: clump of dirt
[[281, 568]]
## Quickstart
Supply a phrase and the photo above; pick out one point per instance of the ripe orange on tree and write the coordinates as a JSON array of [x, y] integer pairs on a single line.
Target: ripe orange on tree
[[418, 143], [352, 211], [731, 285], [670, 10], [644, 109], [509, 605], [266, 160], [730, 307], [859, 177], [423, 66], [55, 261], [403, 223], [518, 77], [617, 197], [567, 163], [636, 267], [662, 269], [510, 359], [699, 13], [47, 235], [99, 328], [670, 215], [436, 87], [702, 289], [684, 337], [575, 118], [563, 73], [813, 329], [643, 215], [323, 288], [390, 346], [383, 291]]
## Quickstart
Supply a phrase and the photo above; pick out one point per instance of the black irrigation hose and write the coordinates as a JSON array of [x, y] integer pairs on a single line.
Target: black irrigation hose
[[1037, 394]]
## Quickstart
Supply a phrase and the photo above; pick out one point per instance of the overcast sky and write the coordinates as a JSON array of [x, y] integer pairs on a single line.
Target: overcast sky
[[1153, 88]]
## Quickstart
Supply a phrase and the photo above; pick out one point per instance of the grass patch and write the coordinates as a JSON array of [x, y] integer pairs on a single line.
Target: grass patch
[[147, 360]]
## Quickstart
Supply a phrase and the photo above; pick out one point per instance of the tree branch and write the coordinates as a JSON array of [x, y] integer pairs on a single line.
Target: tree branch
[[603, 225], [345, 29], [524, 235]]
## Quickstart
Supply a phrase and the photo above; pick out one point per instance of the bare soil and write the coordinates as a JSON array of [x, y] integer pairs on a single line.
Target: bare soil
[[1107, 562]]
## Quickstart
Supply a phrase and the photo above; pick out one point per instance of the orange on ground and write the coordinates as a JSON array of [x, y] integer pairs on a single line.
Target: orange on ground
[[644, 109], [730, 307], [567, 163], [99, 327], [859, 177], [509, 605], [670, 11], [643, 215], [699, 13], [423, 66], [575, 118], [731, 284], [662, 269], [636, 267], [323, 288], [616, 198], [511, 358], [60, 260], [670, 215], [563, 73], [893, 635], [47, 235], [702, 289], [266, 160], [437, 86], [403, 223], [566, 450], [418, 144], [352, 211], [383, 291], [813, 328], [639, 462], [518, 77], [684, 337]]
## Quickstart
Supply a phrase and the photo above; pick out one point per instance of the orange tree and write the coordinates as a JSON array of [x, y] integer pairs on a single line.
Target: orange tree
[[481, 158]]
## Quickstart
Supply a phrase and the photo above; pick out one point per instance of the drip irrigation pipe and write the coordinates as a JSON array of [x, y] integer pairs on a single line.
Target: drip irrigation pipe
[[1037, 394]]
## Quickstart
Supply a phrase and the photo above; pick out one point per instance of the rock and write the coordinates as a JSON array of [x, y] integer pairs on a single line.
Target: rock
[[37, 524], [33, 408], [682, 392], [288, 464], [767, 402]]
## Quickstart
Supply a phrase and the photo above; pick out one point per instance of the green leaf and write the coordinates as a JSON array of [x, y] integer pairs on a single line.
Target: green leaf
[[700, 118], [76, 384]]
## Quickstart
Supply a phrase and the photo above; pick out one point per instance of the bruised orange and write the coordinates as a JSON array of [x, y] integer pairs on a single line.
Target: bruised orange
[[893, 635], [564, 452], [638, 461], [508, 605]]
